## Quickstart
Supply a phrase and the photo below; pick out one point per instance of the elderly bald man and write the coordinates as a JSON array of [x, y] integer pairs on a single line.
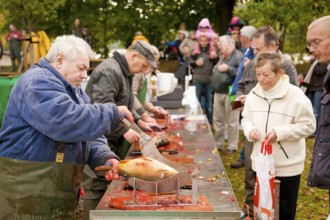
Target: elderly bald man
[[318, 44]]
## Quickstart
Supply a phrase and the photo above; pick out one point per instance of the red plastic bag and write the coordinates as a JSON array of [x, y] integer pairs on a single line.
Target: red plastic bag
[[264, 191]]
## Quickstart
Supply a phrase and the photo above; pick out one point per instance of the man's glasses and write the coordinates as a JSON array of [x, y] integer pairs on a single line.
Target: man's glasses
[[257, 49], [315, 44]]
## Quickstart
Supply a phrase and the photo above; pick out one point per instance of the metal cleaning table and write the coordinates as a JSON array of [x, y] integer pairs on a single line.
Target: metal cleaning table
[[197, 143]]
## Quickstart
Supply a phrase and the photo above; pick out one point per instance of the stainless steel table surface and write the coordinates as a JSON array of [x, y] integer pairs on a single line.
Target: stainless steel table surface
[[198, 143]]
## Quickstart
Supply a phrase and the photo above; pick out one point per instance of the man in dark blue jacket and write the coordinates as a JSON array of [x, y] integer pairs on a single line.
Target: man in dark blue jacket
[[246, 34], [318, 44], [50, 130]]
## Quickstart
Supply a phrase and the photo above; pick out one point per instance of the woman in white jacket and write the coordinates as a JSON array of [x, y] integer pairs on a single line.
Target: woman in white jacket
[[279, 113]]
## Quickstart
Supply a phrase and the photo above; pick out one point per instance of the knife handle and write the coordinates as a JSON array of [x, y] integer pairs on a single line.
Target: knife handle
[[101, 170], [131, 125]]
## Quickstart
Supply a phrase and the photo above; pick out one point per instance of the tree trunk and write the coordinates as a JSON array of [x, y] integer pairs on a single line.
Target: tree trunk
[[223, 15], [105, 39]]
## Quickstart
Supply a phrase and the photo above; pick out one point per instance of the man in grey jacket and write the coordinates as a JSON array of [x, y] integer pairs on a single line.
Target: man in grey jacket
[[111, 82], [224, 73], [265, 39]]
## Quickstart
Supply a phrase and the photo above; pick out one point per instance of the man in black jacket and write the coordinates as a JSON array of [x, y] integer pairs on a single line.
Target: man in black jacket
[[111, 81]]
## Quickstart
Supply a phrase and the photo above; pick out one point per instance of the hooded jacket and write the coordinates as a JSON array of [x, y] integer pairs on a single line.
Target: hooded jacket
[[290, 114], [209, 31], [235, 21], [43, 108]]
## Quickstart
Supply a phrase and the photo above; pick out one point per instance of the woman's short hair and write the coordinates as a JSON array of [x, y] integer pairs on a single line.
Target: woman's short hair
[[70, 47], [275, 59]]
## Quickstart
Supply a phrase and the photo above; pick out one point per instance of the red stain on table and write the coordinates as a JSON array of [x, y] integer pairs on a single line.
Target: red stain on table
[[146, 201]]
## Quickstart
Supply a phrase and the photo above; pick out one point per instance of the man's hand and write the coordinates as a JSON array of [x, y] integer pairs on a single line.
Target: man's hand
[[223, 68], [246, 61], [242, 98], [124, 110], [146, 118], [114, 173], [213, 54], [132, 137], [146, 126], [159, 112]]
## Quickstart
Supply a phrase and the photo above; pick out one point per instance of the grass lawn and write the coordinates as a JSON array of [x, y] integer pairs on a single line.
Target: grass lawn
[[312, 202]]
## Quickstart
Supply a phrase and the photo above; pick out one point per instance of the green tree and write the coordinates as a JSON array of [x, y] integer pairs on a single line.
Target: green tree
[[111, 20], [159, 20], [289, 18], [29, 14]]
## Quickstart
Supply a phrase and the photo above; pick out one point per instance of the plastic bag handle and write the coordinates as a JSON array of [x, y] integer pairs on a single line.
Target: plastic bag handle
[[266, 148]]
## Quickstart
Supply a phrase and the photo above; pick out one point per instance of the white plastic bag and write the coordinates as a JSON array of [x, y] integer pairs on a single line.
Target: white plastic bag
[[264, 191]]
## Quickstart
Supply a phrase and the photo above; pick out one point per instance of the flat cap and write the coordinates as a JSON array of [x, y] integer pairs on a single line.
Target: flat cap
[[147, 51]]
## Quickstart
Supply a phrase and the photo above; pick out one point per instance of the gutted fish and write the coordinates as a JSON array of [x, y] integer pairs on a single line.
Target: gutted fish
[[146, 169], [143, 168]]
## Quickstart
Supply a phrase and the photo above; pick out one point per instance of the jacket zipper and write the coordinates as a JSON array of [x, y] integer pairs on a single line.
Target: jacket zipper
[[266, 127], [283, 150]]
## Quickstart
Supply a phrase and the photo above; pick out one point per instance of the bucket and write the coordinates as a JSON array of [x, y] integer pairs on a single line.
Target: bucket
[[166, 82]]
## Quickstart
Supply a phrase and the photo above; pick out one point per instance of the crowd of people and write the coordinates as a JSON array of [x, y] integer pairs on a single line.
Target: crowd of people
[[54, 133]]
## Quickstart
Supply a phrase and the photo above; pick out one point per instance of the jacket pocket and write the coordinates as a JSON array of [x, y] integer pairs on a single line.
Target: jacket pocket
[[325, 110], [319, 174]]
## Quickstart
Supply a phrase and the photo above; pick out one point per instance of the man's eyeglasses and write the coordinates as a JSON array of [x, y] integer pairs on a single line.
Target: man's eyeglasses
[[315, 44], [257, 49]]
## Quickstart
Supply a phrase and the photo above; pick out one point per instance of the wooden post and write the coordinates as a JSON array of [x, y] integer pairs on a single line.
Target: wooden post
[[31, 52], [277, 200], [26, 48]]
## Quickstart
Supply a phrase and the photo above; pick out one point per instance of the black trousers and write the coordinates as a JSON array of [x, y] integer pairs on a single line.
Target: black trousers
[[289, 189], [250, 178]]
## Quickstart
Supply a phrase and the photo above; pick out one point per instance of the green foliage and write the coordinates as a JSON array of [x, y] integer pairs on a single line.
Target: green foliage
[[111, 20], [290, 18], [30, 14]]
